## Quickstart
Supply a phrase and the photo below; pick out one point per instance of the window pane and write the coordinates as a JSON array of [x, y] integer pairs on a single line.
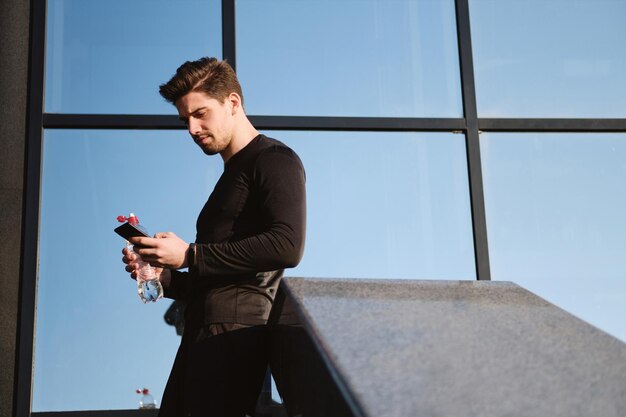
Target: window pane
[[349, 58], [111, 57], [385, 205], [380, 205], [555, 208], [96, 343], [557, 58]]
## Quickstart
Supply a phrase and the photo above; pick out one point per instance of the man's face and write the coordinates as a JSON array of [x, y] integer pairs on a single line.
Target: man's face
[[209, 121]]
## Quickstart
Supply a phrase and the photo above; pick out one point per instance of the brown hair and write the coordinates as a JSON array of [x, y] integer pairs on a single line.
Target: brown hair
[[209, 75]]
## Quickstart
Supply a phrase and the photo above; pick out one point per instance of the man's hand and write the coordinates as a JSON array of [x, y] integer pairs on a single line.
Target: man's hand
[[130, 259], [165, 250]]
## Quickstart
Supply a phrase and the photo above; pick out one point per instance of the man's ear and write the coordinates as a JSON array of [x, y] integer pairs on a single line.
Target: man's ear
[[235, 102]]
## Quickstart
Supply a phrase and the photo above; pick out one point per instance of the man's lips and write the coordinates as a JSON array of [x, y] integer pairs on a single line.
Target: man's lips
[[200, 139]]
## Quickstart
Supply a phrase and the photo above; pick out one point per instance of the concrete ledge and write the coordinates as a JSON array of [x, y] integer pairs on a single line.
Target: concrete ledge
[[458, 348]]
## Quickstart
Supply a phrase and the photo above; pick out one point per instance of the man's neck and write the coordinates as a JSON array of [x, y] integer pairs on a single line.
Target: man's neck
[[242, 136]]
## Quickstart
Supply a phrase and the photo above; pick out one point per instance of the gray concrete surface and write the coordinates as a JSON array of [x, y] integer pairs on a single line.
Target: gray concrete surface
[[461, 348]]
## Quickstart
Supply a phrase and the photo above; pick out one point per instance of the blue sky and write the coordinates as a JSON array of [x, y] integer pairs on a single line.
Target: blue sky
[[380, 204]]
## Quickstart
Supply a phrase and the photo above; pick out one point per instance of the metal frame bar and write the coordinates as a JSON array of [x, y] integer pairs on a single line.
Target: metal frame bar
[[111, 121], [553, 125], [477, 200], [136, 121], [358, 123], [165, 122], [99, 413], [30, 216], [228, 33]]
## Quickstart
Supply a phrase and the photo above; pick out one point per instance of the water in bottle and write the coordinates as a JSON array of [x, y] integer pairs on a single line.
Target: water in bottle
[[149, 287]]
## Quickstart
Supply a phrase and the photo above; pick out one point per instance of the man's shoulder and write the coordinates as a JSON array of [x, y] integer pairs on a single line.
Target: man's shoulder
[[275, 156], [267, 142], [270, 147]]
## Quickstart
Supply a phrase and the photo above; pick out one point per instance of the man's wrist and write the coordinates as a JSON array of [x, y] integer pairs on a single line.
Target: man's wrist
[[165, 277], [191, 255]]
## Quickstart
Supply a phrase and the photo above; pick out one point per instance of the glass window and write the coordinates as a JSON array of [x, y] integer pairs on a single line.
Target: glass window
[[349, 58], [380, 205], [111, 57], [385, 205], [555, 207], [96, 342], [556, 58]]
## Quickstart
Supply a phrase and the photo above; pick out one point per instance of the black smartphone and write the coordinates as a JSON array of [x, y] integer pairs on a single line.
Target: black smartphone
[[127, 231]]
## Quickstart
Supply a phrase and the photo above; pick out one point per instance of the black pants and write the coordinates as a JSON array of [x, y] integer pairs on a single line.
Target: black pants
[[218, 372]]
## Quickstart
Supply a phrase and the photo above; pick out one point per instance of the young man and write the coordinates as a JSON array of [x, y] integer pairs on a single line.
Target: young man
[[251, 228]]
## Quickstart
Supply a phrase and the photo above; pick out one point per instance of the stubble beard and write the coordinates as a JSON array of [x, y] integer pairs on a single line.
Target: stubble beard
[[214, 146]]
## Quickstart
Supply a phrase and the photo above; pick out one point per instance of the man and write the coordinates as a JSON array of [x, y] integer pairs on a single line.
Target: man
[[251, 228]]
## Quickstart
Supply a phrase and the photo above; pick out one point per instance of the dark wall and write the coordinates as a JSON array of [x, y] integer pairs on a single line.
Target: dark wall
[[14, 40]]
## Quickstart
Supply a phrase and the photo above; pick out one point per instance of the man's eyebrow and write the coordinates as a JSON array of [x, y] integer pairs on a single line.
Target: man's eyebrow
[[193, 112]]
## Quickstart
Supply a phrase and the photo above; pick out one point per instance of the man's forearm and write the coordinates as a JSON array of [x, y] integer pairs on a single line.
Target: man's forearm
[[279, 248]]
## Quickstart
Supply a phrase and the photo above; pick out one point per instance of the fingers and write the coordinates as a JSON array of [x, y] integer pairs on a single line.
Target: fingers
[[164, 250], [147, 254], [129, 257], [127, 253], [132, 269], [152, 251], [142, 241], [150, 241], [162, 235]]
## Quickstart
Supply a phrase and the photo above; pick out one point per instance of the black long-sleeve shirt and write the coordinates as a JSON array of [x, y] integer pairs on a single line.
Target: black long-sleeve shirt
[[250, 229]]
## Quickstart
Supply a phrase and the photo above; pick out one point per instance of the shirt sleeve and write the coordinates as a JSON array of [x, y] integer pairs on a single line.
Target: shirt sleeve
[[177, 286], [280, 178]]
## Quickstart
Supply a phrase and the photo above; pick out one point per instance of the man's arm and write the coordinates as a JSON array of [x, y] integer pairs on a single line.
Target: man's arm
[[280, 179]]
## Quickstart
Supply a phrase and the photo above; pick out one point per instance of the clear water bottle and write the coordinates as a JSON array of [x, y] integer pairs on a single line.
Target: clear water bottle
[[149, 287], [147, 401]]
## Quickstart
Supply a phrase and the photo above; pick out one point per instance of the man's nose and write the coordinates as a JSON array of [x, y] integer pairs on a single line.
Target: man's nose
[[194, 127]]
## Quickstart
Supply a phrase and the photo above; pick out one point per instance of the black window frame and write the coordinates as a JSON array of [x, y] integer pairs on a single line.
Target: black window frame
[[470, 125]]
